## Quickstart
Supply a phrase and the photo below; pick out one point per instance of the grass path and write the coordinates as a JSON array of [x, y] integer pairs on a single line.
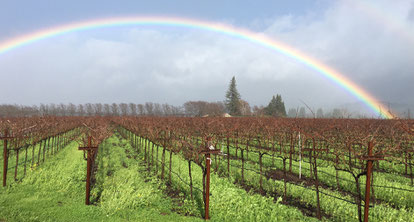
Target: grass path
[[55, 191]]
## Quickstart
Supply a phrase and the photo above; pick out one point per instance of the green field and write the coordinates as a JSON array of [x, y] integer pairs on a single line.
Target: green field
[[126, 191]]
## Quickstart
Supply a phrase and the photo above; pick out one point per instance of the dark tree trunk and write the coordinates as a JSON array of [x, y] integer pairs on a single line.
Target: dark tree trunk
[[191, 179], [315, 169], [228, 157], [33, 154], [292, 149], [44, 151], [242, 169], [152, 154], [169, 176], [157, 163], [163, 162], [284, 179], [145, 150], [261, 177], [38, 154], [411, 169], [337, 173], [358, 198], [204, 184], [17, 164], [25, 160]]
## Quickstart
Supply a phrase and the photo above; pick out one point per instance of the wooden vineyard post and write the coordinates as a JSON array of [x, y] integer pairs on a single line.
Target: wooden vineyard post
[[5, 155], [370, 159], [315, 173], [408, 164], [411, 168], [208, 163], [91, 151]]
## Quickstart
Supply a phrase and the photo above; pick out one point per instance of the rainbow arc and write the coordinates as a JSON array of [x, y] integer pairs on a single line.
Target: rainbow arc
[[334, 76]]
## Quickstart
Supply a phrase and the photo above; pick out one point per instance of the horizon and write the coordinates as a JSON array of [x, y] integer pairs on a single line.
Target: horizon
[[116, 64]]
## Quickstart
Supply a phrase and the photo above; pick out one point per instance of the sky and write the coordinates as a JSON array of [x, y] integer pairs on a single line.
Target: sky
[[371, 42]]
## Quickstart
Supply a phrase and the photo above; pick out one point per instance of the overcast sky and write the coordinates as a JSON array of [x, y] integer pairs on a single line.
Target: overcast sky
[[371, 43]]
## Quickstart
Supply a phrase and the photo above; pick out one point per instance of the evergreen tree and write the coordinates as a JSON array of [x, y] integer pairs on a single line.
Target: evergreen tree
[[233, 99], [276, 107]]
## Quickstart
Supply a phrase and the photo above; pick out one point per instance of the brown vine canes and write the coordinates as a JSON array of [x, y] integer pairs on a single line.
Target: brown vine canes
[[208, 151], [97, 131], [5, 137], [91, 150], [408, 146], [316, 145]]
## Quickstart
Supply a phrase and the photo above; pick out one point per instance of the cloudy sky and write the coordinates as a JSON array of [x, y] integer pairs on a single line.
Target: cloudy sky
[[371, 42]]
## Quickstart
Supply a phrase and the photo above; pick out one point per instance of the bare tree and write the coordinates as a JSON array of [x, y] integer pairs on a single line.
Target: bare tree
[[166, 109], [177, 110], [114, 109], [302, 112], [245, 108], [71, 109], [124, 109], [107, 109], [258, 110], [98, 109], [44, 109], [319, 113], [63, 110], [89, 109], [133, 109], [149, 108], [53, 110], [141, 109], [157, 109], [81, 110]]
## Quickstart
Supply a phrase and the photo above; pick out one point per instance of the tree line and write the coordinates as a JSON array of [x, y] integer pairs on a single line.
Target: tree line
[[233, 105]]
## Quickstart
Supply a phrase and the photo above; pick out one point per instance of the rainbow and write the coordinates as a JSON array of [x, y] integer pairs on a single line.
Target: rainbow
[[245, 34]]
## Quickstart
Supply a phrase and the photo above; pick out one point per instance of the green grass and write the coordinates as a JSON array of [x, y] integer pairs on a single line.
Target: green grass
[[340, 210], [55, 191], [402, 199], [228, 202]]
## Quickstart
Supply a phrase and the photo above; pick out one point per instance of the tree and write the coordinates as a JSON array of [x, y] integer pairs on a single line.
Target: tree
[[124, 109], [292, 113], [141, 109], [81, 110], [319, 113], [149, 108], [245, 108], [202, 108], [89, 109], [157, 109], [107, 109], [233, 99], [98, 109], [72, 109], [166, 109], [195, 108], [337, 113], [276, 107], [114, 109], [302, 112], [63, 111], [133, 108]]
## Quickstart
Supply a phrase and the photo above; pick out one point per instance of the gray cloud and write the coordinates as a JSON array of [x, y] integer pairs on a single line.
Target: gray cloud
[[175, 65]]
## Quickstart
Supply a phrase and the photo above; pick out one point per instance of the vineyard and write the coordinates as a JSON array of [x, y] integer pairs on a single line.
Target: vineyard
[[221, 169]]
